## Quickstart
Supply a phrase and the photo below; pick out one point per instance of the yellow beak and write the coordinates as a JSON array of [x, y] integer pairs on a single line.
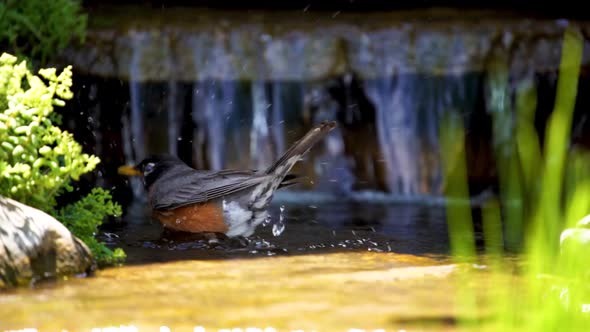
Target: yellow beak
[[129, 171]]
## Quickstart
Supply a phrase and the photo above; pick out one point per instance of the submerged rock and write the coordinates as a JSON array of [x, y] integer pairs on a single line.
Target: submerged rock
[[34, 245]]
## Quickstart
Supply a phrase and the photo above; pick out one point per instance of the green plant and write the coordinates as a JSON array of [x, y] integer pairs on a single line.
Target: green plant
[[38, 160], [38, 28], [92, 209], [544, 192]]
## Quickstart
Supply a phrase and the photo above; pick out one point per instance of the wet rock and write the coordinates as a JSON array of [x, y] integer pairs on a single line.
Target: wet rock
[[34, 245], [192, 44]]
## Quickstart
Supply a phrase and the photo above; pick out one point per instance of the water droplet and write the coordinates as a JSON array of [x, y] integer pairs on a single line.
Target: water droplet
[[267, 221], [279, 227]]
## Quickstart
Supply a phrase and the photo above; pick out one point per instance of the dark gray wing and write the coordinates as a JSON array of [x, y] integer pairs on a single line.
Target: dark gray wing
[[204, 186]]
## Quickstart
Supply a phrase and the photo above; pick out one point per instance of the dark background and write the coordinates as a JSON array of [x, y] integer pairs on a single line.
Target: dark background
[[563, 9]]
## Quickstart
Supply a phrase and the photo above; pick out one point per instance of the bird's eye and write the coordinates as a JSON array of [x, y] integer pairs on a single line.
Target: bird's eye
[[149, 167]]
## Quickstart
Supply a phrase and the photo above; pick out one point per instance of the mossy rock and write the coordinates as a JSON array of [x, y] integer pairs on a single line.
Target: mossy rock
[[35, 246]]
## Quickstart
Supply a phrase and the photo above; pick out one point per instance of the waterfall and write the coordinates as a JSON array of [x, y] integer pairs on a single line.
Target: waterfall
[[260, 150], [175, 105], [174, 102], [243, 73], [212, 107], [134, 143], [396, 128], [213, 99], [277, 119], [332, 167]]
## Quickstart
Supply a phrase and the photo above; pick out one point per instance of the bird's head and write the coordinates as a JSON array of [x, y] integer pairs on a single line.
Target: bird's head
[[150, 168]]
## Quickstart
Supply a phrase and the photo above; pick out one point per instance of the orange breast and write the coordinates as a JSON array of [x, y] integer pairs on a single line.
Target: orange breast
[[196, 218]]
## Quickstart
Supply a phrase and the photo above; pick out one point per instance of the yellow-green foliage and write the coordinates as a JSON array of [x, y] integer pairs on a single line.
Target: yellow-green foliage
[[38, 160]]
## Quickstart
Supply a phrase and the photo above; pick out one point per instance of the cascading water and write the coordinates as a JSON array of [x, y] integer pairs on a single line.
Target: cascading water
[[174, 118], [212, 107], [243, 111], [407, 110], [267, 135], [277, 122], [133, 126], [261, 152], [396, 127]]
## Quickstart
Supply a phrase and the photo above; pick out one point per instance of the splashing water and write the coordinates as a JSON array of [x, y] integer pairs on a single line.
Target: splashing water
[[267, 221], [279, 227]]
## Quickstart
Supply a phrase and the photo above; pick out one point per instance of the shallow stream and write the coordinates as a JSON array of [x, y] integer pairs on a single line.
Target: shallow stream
[[334, 267]]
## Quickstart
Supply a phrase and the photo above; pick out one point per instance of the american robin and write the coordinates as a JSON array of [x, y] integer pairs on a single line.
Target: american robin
[[232, 202]]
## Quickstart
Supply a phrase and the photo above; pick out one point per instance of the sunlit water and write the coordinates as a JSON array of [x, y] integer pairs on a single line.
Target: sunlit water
[[325, 267]]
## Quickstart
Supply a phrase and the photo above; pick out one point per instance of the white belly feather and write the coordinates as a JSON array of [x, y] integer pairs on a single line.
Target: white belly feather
[[241, 221]]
